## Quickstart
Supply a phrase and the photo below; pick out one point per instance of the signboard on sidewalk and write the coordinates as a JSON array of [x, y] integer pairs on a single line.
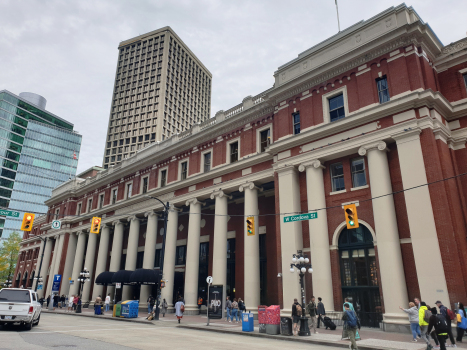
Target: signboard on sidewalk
[[56, 283], [215, 301], [118, 285], [39, 287], [301, 217]]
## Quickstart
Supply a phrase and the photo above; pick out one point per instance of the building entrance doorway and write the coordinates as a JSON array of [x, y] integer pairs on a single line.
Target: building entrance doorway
[[359, 274], [179, 286]]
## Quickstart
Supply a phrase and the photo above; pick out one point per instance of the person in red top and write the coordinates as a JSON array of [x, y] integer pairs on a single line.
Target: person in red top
[[75, 302]]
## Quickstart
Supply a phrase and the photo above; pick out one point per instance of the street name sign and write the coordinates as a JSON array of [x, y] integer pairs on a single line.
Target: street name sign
[[56, 224], [11, 213], [301, 217]]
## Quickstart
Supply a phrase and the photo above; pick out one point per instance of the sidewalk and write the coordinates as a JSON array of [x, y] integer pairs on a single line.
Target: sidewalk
[[371, 338]]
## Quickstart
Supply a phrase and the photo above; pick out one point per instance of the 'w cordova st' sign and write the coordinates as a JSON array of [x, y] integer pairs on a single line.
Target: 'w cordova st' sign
[[300, 217]]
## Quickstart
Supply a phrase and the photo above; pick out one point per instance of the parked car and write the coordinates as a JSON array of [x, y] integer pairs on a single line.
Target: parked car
[[21, 306]]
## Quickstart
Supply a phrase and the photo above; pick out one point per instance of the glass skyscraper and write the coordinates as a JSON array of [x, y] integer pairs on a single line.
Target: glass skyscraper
[[38, 151]]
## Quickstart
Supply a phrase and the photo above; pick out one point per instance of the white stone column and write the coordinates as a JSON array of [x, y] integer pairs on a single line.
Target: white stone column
[[149, 252], [387, 234], [78, 263], [36, 273], [219, 259], [192, 256], [425, 245], [69, 261], [101, 260], [291, 233], [52, 266], [116, 254], [45, 267], [318, 229], [251, 276], [169, 256], [131, 254], [89, 265], [61, 241]]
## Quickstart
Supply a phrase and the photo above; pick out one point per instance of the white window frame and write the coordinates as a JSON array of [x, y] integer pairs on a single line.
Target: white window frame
[[101, 200], [141, 184], [89, 207], [202, 159], [160, 176], [78, 212], [258, 136], [57, 213], [227, 158], [187, 160], [116, 195], [325, 99], [126, 189]]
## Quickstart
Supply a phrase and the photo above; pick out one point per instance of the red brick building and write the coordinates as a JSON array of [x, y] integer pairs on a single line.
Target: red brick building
[[375, 115]]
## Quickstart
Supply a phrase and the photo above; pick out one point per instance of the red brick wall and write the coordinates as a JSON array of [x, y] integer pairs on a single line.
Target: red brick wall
[[452, 84]]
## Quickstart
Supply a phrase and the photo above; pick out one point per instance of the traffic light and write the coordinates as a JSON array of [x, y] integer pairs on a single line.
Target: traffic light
[[28, 220], [351, 217], [250, 226], [162, 283], [95, 224]]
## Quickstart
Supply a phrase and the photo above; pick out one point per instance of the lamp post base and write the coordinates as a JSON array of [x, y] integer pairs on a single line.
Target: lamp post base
[[304, 329]]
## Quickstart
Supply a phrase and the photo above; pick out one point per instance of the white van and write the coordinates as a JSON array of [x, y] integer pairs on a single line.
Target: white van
[[19, 306]]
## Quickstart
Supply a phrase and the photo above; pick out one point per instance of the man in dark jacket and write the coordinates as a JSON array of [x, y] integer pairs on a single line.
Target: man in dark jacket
[[56, 300], [320, 310], [296, 314], [351, 329], [311, 309], [443, 310], [439, 323]]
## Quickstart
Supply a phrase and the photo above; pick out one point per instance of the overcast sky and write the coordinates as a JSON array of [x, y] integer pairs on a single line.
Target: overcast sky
[[67, 52]]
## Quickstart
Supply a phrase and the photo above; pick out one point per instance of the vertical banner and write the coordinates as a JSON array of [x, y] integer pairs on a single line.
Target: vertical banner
[[215, 301]]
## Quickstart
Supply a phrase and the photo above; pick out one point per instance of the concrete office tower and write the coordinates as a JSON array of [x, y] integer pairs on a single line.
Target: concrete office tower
[[161, 89]]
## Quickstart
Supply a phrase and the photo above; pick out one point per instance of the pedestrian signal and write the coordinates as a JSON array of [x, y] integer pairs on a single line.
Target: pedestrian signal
[[250, 226], [162, 283], [351, 217], [28, 220], [95, 224]]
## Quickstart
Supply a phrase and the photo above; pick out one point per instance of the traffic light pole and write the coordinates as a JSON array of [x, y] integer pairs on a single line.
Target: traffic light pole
[[40, 264]]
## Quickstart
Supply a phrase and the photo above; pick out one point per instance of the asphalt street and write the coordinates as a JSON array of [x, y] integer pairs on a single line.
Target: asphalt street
[[72, 332]]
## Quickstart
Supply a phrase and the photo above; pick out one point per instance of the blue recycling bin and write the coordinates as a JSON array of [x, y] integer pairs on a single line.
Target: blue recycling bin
[[248, 322], [129, 309]]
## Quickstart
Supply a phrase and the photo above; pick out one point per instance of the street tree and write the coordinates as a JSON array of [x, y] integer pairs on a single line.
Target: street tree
[[9, 251]]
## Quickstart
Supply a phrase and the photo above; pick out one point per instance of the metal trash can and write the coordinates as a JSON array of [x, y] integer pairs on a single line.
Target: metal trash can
[[273, 329], [286, 326], [248, 322], [262, 328]]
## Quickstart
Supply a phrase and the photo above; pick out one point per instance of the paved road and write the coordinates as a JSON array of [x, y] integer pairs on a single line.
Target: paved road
[[72, 332]]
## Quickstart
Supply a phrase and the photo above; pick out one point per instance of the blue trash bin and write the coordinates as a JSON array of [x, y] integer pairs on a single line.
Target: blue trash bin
[[248, 322], [130, 309]]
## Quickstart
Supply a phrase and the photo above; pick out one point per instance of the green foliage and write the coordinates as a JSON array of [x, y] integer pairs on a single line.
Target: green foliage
[[9, 251]]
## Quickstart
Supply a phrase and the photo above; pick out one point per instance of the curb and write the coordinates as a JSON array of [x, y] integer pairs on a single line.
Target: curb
[[105, 318], [285, 338]]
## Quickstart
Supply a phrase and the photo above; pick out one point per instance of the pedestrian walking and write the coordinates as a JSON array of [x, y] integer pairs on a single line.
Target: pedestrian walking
[[179, 309], [344, 334], [70, 303], [62, 301], [439, 324], [41, 301], [48, 301], [351, 323], [107, 302], [417, 302], [151, 303], [461, 322], [228, 307], [423, 322], [241, 308], [56, 299], [164, 308], [311, 310], [98, 306], [75, 302], [443, 310], [234, 311], [412, 311], [200, 302], [296, 314], [321, 311]]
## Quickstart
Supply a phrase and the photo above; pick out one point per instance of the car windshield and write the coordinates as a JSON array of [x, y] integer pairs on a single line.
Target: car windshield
[[17, 296]]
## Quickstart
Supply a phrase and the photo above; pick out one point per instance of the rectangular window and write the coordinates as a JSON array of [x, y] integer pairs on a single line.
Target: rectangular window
[[129, 187], [465, 80], [180, 255], [145, 184], [358, 172], [89, 205], [383, 91], [79, 209], [157, 258], [337, 177], [234, 152], [207, 162], [296, 123], [336, 107], [101, 201], [184, 171], [163, 178], [265, 141], [57, 214], [114, 196]]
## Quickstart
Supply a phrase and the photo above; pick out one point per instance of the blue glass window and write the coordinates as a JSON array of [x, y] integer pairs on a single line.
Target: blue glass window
[[337, 177], [296, 123], [383, 91], [336, 107]]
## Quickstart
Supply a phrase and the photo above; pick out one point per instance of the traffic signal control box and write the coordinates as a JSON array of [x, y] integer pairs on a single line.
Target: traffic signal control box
[[351, 217], [28, 220], [95, 224], [250, 226]]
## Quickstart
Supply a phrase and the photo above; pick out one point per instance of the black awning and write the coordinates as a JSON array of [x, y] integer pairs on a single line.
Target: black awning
[[105, 278], [145, 276], [122, 276]]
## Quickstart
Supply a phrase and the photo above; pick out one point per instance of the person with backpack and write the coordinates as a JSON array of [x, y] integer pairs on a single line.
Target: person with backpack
[[151, 303], [423, 320], [440, 325], [241, 308], [321, 311], [351, 323], [449, 315], [296, 314], [311, 309], [461, 323], [228, 307]]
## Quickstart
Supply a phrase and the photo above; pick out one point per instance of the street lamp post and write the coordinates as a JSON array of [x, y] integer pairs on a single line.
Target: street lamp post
[[83, 278], [161, 263], [8, 283], [302, 263]]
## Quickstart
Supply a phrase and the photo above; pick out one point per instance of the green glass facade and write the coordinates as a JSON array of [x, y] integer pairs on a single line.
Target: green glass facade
[[36, 155]]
